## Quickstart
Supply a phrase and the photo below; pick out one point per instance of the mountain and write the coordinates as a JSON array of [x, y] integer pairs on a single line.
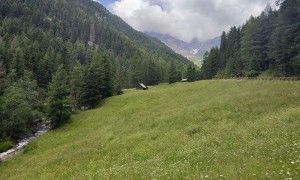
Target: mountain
[[194, 50], [198, 48], [77, 23], [58, 56]]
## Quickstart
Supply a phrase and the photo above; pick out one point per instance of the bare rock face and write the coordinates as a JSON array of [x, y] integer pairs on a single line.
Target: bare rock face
[[191, 50], [92, 33]]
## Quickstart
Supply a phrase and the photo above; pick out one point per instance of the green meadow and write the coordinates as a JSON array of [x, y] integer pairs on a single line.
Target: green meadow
[[218, 129]]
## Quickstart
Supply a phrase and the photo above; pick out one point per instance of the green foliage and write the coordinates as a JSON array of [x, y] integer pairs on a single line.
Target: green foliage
[[19, 108], [223, 74], [210, 64], [251, 73], [118, 80], [100, 53], [172, 73], [93, 84], [251, 45], [269, 42], [59, 98], [232, 129], [16, 112], [191, 73], [5, 145], [107, 85], [43, 35], [152, 73], [77, 85]]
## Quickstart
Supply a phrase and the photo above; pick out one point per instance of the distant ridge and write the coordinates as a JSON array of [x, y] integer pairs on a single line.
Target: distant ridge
[[193, 50]]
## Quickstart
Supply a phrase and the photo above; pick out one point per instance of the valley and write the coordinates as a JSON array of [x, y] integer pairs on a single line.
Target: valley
[[233, 129]]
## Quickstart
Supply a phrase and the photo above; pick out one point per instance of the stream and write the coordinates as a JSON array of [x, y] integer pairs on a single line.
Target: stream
[[22, 143]]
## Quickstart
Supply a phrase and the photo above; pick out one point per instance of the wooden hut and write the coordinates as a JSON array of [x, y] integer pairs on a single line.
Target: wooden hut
[[184, 80], [141, 86]]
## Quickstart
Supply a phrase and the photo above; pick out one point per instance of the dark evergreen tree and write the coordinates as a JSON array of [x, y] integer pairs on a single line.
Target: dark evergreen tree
[[59, 100], [107, 88], [93, 83], [191, 74], [251, 50], [172, 73], [267, 44], [77, 82], [18, 62], [210, 65], [267, 21], [118, 80], [46, 67], [153, 78], [135, 71], [284, 45]]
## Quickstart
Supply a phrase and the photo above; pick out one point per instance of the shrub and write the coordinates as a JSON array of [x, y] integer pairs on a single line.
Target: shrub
[[5, 145]]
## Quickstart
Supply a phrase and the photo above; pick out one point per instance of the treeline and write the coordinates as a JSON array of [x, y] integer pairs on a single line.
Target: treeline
[[267, 45], [23, 101], [59, 56]]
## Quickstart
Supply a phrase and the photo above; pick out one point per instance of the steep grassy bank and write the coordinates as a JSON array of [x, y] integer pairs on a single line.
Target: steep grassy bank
[[217, 129]]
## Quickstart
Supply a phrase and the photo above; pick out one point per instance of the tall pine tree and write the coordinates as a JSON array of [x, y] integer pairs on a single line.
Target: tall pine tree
[[59, 100]]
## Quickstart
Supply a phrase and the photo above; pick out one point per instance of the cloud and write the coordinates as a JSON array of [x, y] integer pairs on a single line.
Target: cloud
[[187, 19]]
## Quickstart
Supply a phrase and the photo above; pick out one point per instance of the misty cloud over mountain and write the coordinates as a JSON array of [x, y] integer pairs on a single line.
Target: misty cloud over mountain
[[187, 19]]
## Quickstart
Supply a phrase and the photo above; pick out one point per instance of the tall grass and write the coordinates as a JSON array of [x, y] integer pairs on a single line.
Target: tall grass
[[223, 129]]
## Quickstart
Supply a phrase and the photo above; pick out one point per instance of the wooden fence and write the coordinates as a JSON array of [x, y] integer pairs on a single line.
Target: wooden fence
[[266, 78], [273, 78]]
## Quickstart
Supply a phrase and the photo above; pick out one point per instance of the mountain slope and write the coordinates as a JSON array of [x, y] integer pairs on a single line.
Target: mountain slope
[[194, 50], [97, 53], [231, 129], [75, 24]]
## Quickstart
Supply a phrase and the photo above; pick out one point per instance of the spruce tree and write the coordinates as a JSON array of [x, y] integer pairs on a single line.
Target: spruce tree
[[251, 49], [59, 102], [107, 86], [191, 73], [76, 83], [94, 81], [172, 73], [153, 73]]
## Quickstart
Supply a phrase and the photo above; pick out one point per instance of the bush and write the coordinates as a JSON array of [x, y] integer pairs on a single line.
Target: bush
[[5, 145], [251, 73], [223, 74]]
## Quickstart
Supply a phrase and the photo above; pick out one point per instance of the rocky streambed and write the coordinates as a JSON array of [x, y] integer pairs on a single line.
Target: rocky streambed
[[22, 143]]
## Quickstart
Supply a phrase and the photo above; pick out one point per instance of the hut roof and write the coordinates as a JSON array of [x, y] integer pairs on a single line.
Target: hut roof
[[183, 80], [142, 85]]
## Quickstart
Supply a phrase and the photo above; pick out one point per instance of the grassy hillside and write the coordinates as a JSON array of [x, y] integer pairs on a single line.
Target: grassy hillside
[[217, 129]]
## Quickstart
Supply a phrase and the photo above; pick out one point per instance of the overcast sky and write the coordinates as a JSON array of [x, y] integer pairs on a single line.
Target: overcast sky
[[186, 19]]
